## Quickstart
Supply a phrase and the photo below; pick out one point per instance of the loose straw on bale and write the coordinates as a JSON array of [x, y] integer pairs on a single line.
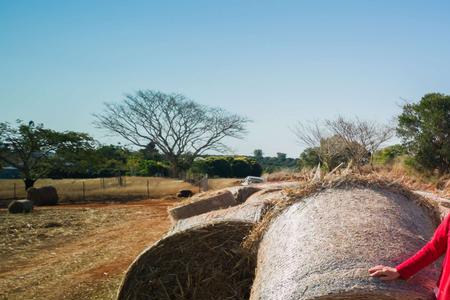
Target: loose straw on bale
[[203, 203], [200, 258], [204, 262], [320, 244]]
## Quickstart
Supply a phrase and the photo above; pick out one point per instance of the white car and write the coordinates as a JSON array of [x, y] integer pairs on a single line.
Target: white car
[[251, 179]]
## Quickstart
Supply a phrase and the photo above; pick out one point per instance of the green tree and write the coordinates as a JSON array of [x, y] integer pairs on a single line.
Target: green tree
[[425, 131], [281, 156], [29, 147], [309, 158], [258, 154]]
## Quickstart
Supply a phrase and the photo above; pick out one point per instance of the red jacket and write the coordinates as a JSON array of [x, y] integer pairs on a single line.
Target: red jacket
[[428, 254]]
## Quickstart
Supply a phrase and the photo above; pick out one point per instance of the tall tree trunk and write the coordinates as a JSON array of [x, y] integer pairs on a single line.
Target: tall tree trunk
[[29, 183]]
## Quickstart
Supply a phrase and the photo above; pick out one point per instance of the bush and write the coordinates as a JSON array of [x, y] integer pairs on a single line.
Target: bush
[[389, 154], [152, 168], [309, 158], [227, 166]]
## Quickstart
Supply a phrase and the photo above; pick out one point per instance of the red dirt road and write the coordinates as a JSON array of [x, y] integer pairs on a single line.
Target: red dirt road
[[82, 259]]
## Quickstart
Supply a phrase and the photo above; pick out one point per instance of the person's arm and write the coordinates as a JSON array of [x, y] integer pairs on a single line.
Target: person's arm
[[425, 256]]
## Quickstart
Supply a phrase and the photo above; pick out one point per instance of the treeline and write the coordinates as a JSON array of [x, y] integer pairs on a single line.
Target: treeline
[[277, 163]]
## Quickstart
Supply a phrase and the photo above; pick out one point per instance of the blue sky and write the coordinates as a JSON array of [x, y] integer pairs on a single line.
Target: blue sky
[[276, 62]]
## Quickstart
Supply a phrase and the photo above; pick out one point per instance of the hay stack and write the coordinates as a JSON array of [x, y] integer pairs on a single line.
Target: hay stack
[[203, 203], [46, 195], [241, 193], [268, 196], [322, 246], [201, 258], [205, 262], [246, 212], [20, 206]]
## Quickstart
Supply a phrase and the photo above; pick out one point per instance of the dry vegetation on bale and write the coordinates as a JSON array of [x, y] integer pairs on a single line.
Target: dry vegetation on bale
[[205, 262], [336, 228], [310, 187]]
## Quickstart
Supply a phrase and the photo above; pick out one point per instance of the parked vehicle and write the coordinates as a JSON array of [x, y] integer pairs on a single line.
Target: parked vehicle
[[251, 179]]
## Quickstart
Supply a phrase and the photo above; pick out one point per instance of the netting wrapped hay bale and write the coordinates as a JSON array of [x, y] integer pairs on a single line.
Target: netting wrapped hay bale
[[203, 203], [241, 193], [200, 258], [205, 262], [322, 246], [268, 196], [247, 212], [46, 195]]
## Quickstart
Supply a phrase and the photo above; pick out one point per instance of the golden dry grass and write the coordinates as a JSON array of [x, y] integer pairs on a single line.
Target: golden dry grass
[[135, 188]]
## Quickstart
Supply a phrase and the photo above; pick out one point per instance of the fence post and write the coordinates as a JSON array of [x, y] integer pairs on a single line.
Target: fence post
[[84, 192], [148, 189], [15, 193]]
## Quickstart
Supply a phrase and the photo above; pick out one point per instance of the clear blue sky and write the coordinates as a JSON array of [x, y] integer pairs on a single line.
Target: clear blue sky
[[274, 61]]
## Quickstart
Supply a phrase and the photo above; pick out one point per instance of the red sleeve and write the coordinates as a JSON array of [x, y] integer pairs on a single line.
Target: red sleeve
[[428, 254]]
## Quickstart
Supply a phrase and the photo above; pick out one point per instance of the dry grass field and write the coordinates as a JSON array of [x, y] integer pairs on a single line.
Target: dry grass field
[[108, 189], [81, 251]]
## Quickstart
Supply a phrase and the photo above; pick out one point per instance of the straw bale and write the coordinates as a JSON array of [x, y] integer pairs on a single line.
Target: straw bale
[[443, 203], [246, 212], [203, 203], [204, 262], [322, 245], [268, 196], [241, 193], [46, 195], [20, 206]]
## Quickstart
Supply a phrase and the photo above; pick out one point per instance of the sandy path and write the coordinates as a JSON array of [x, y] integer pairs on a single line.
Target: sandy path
[[90, 266]]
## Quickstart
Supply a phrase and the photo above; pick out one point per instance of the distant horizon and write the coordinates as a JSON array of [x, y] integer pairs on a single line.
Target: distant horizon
[[276, 63]]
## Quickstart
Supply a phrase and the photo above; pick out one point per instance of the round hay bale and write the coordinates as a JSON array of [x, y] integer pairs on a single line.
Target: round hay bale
[[203, 203], [241, 193], [185, 194], [20, 206], [204, 262], [246, 212], [322, 246], [46, 195], [267, 196]]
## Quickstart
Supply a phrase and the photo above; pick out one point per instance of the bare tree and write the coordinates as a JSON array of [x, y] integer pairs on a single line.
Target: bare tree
[[178, 127], [342, 140], [362, 138], [330, 149]]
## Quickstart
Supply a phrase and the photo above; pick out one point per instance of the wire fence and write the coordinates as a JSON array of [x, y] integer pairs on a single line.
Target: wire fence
[[114, 189]]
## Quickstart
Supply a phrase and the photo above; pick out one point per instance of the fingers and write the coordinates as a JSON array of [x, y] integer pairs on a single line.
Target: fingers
[[387, 278], [379, 273], [376, 268]]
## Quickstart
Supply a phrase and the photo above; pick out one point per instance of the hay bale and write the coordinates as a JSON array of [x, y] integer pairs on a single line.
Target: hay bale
[[204, 262], [322, 246], [20, 206], [200, 258], [268, 196], [46, 195], [241, 193], [203, 203], [246, 212], [185, 194]]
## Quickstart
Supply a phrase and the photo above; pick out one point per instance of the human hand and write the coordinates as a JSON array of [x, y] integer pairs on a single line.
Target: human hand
[[384, 272]]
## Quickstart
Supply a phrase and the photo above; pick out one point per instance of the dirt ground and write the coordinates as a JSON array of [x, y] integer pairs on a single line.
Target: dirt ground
[[75, 251]]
